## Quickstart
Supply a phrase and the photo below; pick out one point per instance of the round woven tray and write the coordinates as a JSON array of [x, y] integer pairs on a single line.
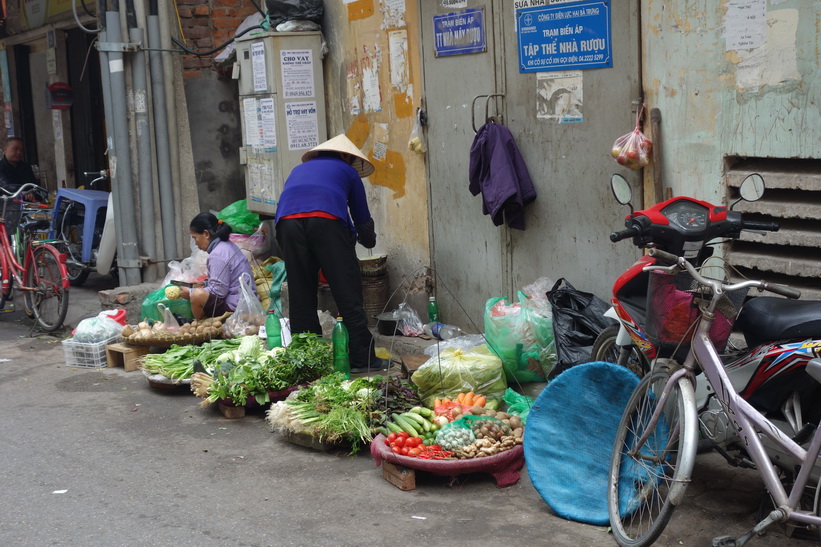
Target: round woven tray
[[180, 340], [504, 466]]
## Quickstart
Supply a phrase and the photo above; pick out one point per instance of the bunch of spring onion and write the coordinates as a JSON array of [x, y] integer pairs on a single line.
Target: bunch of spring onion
[[331, 409]]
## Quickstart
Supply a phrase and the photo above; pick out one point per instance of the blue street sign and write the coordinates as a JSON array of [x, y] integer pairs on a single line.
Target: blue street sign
[[570, 36], [459, 32]]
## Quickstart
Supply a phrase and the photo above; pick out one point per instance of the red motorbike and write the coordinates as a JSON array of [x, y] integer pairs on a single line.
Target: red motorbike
[[781, 335]]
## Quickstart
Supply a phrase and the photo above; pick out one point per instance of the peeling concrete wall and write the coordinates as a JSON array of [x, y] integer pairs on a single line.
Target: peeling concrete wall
[[373, 88], [731, 78]]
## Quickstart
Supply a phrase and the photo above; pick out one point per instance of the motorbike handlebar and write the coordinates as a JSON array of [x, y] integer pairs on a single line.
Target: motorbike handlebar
[[762, 226], [624, 234]]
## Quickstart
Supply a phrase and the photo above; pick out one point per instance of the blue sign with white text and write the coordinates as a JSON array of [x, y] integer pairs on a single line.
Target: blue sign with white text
[[459, 32], [570, 36]]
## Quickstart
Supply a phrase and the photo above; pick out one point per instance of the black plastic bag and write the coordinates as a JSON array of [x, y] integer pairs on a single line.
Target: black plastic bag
[[578, 318], [280, 11]]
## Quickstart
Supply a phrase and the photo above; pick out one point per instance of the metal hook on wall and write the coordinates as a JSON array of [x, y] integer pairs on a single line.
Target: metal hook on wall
[[496, 119]]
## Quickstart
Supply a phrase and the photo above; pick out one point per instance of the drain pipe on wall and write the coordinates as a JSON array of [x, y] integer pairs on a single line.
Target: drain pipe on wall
[[167, 209], [120, 160], [148, 234], [105, 77]]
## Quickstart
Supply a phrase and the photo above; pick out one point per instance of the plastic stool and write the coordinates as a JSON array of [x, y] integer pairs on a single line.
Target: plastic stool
[[92, 201]]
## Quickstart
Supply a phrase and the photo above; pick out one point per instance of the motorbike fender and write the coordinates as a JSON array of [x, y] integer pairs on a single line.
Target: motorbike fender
[[108, 241], [623, 337]]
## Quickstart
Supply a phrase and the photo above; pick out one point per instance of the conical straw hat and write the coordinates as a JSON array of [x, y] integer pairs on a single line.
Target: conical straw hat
[[341, 143]]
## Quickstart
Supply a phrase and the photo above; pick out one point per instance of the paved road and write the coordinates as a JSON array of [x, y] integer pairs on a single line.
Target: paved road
[[96, 457]]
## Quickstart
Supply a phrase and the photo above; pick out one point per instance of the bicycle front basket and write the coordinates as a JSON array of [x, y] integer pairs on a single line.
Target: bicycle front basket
[[672, 307]]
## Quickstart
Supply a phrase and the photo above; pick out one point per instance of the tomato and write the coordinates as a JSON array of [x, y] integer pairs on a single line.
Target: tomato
[[400, 442], [387, 442], [391, 437], [414, 452], [413, 442], [434, 447], [396, 450], [404, 450], [403, 434]]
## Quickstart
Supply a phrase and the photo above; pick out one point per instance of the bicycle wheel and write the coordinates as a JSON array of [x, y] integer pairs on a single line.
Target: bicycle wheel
[[606, 349], [50, 301], [647, 482]]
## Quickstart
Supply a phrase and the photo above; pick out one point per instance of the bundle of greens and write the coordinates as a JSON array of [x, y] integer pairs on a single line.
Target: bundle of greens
[[249, 371], [331, 409], [395, 396], [177, 362]]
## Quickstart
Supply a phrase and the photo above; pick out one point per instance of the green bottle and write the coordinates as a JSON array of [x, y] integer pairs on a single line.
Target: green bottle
[[339, 340], [433, 310], [273, 330]]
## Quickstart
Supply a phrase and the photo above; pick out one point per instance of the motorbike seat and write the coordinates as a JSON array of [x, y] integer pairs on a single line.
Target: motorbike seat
[[766, 318], [35, 225]]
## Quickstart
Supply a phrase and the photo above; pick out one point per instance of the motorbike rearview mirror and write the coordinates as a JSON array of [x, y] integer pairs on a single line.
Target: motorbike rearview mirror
[[621, 189], [751, 188]]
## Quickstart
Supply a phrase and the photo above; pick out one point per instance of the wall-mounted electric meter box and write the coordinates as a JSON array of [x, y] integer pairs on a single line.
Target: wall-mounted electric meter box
[[282, 105]]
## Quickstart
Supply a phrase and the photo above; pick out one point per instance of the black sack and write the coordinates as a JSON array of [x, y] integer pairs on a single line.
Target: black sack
[[578, 318], [280, 11]]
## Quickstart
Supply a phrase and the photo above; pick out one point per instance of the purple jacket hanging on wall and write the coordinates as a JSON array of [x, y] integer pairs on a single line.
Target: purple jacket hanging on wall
[[498, 170]]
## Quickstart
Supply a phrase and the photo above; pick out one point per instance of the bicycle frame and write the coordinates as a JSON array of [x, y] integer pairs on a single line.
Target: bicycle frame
[[748, 422]]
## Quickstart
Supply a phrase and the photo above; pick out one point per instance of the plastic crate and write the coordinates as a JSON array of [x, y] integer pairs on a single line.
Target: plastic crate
[[87, 355]]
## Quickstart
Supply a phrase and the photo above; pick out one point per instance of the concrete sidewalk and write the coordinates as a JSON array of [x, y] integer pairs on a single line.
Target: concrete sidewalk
[[96, 457]]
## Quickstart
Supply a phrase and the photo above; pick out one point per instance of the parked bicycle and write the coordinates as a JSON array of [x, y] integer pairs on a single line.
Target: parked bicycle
[[656, 440], [40, 272]]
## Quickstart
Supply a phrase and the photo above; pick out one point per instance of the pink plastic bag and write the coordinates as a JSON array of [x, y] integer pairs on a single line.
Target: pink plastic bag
[[633, 150]]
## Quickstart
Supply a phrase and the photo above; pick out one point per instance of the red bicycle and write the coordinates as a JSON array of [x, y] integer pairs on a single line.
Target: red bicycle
[[39, 270]]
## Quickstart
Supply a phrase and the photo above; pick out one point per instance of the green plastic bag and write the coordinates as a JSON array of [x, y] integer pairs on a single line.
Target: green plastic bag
[[239, 218], [456, 371], [518, 404], [521, 334], [179, 306]]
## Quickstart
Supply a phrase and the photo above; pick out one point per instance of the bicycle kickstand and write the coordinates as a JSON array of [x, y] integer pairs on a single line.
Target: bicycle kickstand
[[729, 541]]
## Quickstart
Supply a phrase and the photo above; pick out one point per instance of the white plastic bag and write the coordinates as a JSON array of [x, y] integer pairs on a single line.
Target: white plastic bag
[[191, 269], [249, 315], [97, 329]]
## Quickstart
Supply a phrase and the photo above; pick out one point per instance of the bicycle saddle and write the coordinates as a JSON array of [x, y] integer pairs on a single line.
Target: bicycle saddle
[[766, 318]]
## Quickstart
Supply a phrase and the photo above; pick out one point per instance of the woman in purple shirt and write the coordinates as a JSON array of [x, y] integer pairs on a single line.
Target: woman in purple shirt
[[226, 264]]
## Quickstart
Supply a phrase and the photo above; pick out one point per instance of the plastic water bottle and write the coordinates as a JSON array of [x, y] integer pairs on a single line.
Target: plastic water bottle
[[339, 339], [442, 331], [433, 310], [273, 330]]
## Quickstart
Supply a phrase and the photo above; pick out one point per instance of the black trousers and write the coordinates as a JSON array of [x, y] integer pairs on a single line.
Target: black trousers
[[308, 244]]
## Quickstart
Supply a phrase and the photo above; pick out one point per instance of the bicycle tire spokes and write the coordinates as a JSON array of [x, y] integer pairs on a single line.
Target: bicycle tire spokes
[[646, 457], [49, 300]]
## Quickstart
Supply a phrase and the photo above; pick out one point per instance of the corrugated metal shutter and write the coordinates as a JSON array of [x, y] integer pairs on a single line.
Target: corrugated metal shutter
[[793, 199]]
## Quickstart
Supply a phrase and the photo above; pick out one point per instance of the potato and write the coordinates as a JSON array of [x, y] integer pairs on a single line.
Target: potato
[[515, 422], [477, 410]]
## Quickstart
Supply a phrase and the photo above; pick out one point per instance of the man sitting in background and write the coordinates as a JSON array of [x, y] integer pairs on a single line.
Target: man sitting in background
[[14, 172]]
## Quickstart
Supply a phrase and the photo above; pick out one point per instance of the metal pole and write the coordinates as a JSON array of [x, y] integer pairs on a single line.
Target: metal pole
[[121, 159], [167, 209], [147, 219]]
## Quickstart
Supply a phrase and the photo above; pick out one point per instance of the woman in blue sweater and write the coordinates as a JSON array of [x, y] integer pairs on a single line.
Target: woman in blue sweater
[[321, 214]]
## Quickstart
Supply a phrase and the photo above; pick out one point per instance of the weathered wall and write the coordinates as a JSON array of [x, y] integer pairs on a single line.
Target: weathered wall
[[212, 98], [731, 84], [373, 88]]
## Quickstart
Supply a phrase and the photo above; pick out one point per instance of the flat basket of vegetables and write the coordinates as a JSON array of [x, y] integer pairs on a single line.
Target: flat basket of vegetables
[[158, 335], [503, 466], [177, 364]]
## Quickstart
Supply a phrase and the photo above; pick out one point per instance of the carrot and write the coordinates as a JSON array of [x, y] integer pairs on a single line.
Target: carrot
[[437, 402], [446, 400], [460, 398], [468, 400], [480, 401]]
